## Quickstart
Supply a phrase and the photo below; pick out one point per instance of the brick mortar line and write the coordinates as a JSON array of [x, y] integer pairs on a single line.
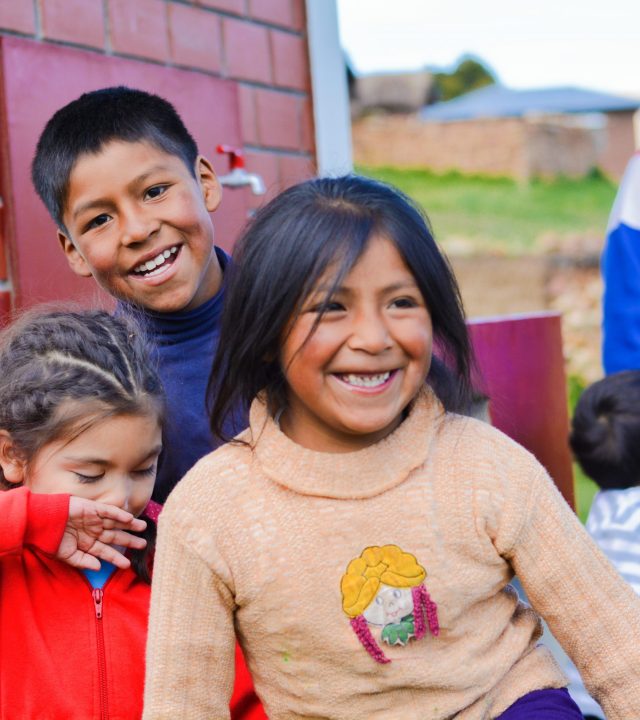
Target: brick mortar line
[[107, 27], [37, 19], [280, 152], [255, 85]]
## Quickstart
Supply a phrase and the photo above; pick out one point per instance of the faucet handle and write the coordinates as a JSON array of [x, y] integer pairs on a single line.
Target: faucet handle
[[236, 156]]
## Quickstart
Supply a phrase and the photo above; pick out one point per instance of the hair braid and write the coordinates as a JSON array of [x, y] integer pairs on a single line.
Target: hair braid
[[53, 359]]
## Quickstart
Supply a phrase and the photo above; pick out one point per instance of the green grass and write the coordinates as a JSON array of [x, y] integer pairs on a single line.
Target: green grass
[[500, 214]]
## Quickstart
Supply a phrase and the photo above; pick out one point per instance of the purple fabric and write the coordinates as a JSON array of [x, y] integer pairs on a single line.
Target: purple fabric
[[543, 705]]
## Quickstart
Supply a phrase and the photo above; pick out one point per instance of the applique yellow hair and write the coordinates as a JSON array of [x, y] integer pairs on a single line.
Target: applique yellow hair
[[387, 564]]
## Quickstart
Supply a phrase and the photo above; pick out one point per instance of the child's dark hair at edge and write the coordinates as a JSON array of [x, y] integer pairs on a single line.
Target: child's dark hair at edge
[[86, 125], [63, 371], [291, 242], [605, 431]]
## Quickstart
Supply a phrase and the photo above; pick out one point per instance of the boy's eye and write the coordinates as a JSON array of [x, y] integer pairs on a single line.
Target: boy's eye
[[97, 221], [156, 191], [88, 478]]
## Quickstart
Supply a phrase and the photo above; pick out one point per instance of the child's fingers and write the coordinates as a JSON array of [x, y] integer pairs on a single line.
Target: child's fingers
[[125, 539], [121, 518], [84, 561], [110, 554]]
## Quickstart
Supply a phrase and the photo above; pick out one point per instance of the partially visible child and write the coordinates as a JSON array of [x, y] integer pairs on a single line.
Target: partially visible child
[[360, 536], [621, 276], [131, 197], [605, 439], [80, 433]]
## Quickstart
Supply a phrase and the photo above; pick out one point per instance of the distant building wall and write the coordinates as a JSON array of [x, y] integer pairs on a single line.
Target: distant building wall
[[395, 92], [620, 143], [515, 147], [481, 146]]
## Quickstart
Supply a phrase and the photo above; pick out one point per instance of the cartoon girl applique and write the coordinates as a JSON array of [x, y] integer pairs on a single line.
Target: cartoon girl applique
[[383, 588]]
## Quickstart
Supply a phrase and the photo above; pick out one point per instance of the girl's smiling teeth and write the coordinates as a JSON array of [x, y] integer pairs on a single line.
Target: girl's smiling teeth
[[152, 267], [365, 380]]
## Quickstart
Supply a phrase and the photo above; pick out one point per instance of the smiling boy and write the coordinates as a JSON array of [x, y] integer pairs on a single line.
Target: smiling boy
[[122, 178], [130, 195]]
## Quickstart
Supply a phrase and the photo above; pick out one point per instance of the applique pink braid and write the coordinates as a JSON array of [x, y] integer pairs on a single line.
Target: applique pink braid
[[424, 605], [361, 629]]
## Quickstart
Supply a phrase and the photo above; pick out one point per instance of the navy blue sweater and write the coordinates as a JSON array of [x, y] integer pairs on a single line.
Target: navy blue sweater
[[183, 344]]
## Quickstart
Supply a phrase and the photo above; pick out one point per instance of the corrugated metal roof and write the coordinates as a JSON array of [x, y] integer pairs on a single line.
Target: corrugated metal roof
[[500, 101]]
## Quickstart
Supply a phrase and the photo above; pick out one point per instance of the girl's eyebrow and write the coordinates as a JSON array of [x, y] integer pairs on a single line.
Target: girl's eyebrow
[[99, 461], [400, 285]]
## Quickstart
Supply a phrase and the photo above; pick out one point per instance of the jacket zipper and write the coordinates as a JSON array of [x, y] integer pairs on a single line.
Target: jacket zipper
[[98, 596]]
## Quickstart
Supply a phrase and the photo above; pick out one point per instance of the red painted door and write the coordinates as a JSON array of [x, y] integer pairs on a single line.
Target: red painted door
[[35, 80]]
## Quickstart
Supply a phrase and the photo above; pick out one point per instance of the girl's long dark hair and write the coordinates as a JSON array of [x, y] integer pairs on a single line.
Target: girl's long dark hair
[[282, 255], [63, 370]]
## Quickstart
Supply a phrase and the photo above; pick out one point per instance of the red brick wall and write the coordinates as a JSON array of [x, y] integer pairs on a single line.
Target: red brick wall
[[260, 44]]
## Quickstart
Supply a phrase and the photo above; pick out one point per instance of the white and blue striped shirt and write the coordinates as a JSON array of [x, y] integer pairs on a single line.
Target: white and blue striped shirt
[[614, 523]]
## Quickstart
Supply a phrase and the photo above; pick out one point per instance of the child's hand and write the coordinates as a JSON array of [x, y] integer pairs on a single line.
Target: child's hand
[[93, 528]]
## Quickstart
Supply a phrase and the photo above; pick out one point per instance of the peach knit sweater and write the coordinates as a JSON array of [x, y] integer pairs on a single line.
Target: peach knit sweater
[[258, 542]]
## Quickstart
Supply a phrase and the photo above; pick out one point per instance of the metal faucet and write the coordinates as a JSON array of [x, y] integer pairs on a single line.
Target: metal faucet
[[237, 175]]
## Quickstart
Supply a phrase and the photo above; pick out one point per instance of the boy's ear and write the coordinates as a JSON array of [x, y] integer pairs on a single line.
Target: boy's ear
[[76, 262], [211, 189], [11, 461]]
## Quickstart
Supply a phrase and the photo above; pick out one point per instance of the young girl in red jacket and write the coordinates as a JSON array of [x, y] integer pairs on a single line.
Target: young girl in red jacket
[[80, 433]]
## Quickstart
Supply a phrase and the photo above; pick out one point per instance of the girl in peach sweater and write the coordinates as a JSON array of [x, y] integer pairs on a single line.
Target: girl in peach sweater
[[360, 535]]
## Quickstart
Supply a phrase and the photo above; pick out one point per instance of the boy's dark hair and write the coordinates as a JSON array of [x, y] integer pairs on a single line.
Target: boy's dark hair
[[86, 125], [281, 256], [605, 431], [63, 371]]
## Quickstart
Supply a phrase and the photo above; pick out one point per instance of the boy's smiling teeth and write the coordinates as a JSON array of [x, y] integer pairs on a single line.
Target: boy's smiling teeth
[[368, 380], [147, 268]]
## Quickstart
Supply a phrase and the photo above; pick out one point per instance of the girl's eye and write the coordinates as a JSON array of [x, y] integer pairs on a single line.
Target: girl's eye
[[156, 191], [333, 306], [404, 302], [379, 600], [396, 593], [97, 222], [145, 472], [327, 307], [88, 478]]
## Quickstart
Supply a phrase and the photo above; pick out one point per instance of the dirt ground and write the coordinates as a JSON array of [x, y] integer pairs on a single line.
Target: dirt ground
[[566, 282]]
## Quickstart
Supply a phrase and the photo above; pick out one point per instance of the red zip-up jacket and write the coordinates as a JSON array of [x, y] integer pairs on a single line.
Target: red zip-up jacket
[[67, 650]]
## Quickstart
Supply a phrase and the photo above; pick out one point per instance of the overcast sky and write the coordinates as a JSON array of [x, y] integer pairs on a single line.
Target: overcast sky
[[593, 44]]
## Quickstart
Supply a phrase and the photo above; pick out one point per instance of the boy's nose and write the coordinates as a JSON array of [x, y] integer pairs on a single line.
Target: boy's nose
[[137, 227]]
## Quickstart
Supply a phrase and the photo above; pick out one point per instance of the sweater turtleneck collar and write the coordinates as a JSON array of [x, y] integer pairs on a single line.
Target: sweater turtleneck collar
[[352, 475]]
